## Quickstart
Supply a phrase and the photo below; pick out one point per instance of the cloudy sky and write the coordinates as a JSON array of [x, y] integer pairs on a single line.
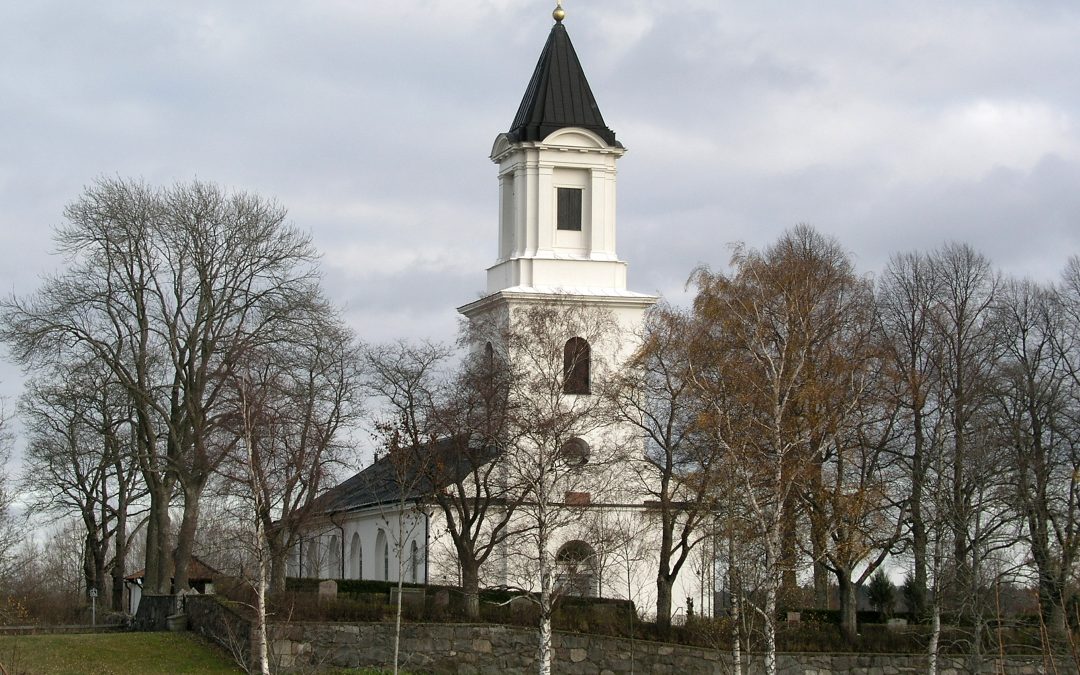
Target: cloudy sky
[[892, 126]]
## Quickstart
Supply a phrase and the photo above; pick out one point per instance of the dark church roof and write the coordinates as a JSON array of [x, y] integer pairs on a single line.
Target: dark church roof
[[558, 95], [412, 475], [197, 571]]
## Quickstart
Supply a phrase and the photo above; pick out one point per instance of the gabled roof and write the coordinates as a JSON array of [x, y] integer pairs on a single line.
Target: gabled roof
[[558, 95], [197, 571], [411, 476]]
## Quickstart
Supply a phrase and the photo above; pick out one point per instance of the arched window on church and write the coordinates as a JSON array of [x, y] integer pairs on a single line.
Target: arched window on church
[[334, 551], [576, 364], [576, 566], [382, 547], [356, 558], [414, 563], [313, 559]]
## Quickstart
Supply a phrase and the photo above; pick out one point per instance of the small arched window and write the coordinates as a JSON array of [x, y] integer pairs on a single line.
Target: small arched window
[[576, 364], [334, 572], [382, 546], [356, 558], [294, 561], [414, 563], [312, 561]]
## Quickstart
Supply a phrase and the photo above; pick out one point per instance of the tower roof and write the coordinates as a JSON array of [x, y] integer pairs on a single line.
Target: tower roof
[[558, 95]]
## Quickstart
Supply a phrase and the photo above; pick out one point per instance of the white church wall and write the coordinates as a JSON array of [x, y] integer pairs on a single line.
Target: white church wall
[[367, 544]]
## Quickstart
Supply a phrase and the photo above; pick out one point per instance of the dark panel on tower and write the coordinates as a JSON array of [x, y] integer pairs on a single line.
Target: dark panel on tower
[[558, 95]]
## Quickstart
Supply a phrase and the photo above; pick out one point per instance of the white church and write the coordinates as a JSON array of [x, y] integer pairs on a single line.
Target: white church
[[557, 247]]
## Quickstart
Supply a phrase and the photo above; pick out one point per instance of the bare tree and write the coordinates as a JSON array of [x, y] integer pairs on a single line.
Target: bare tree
[[9, 528], [557, 352], [78, 461], [970, 349], [655, 393], [1038, 421], [906, 298], [309, 396], [473, 416], [405, 377], [166, 288]]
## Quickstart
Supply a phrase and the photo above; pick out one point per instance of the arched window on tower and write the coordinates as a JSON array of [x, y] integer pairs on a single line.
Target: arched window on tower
[[576, 364]]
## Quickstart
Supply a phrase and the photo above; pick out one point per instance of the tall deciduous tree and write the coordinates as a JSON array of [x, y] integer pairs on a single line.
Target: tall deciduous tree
[[308, 390], [970, 348], [1038, 422], [78, 461], [906, 298], [167, 288], [655, 393], [473, 417], [780, 378], [9, 530]]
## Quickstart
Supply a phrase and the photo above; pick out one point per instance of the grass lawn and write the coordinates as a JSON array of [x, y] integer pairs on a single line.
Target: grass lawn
[[111, 654]]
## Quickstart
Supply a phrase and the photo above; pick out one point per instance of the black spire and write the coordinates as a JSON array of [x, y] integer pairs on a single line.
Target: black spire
[[558, 95]]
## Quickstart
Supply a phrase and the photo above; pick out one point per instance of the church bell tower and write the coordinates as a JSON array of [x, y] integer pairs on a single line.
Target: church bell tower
[[557, 179]]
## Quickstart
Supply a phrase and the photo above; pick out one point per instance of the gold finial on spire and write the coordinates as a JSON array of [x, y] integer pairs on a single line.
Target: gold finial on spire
[[559, 14]]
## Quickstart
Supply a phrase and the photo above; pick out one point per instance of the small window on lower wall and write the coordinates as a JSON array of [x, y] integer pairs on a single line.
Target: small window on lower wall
[[569, 215]]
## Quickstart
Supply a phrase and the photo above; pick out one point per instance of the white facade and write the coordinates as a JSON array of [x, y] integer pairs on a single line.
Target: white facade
[[367, 543], [533, 252]]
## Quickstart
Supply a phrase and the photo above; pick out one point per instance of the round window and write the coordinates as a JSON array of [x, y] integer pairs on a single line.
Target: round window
[[575, 452]]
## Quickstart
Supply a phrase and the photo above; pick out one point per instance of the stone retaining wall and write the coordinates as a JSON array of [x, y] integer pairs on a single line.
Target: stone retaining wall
[[57, 630], [483, 648]]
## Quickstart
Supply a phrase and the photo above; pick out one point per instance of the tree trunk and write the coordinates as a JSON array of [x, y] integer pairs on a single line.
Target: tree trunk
[[543, 661], [185, 538], [90, 566], [849, 597], [770, 628], [935, 635], [118, 573], [736, 615], [119, 566], [279, 567], [663, 603], [789, 584], [918, 582], [821, 573], [470, 587], [819, 540], [1051, 599], [157, 580], [260, 649]]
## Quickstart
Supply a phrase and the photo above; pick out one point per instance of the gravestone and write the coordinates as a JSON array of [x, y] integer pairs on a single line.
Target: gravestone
[[327, 590]]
